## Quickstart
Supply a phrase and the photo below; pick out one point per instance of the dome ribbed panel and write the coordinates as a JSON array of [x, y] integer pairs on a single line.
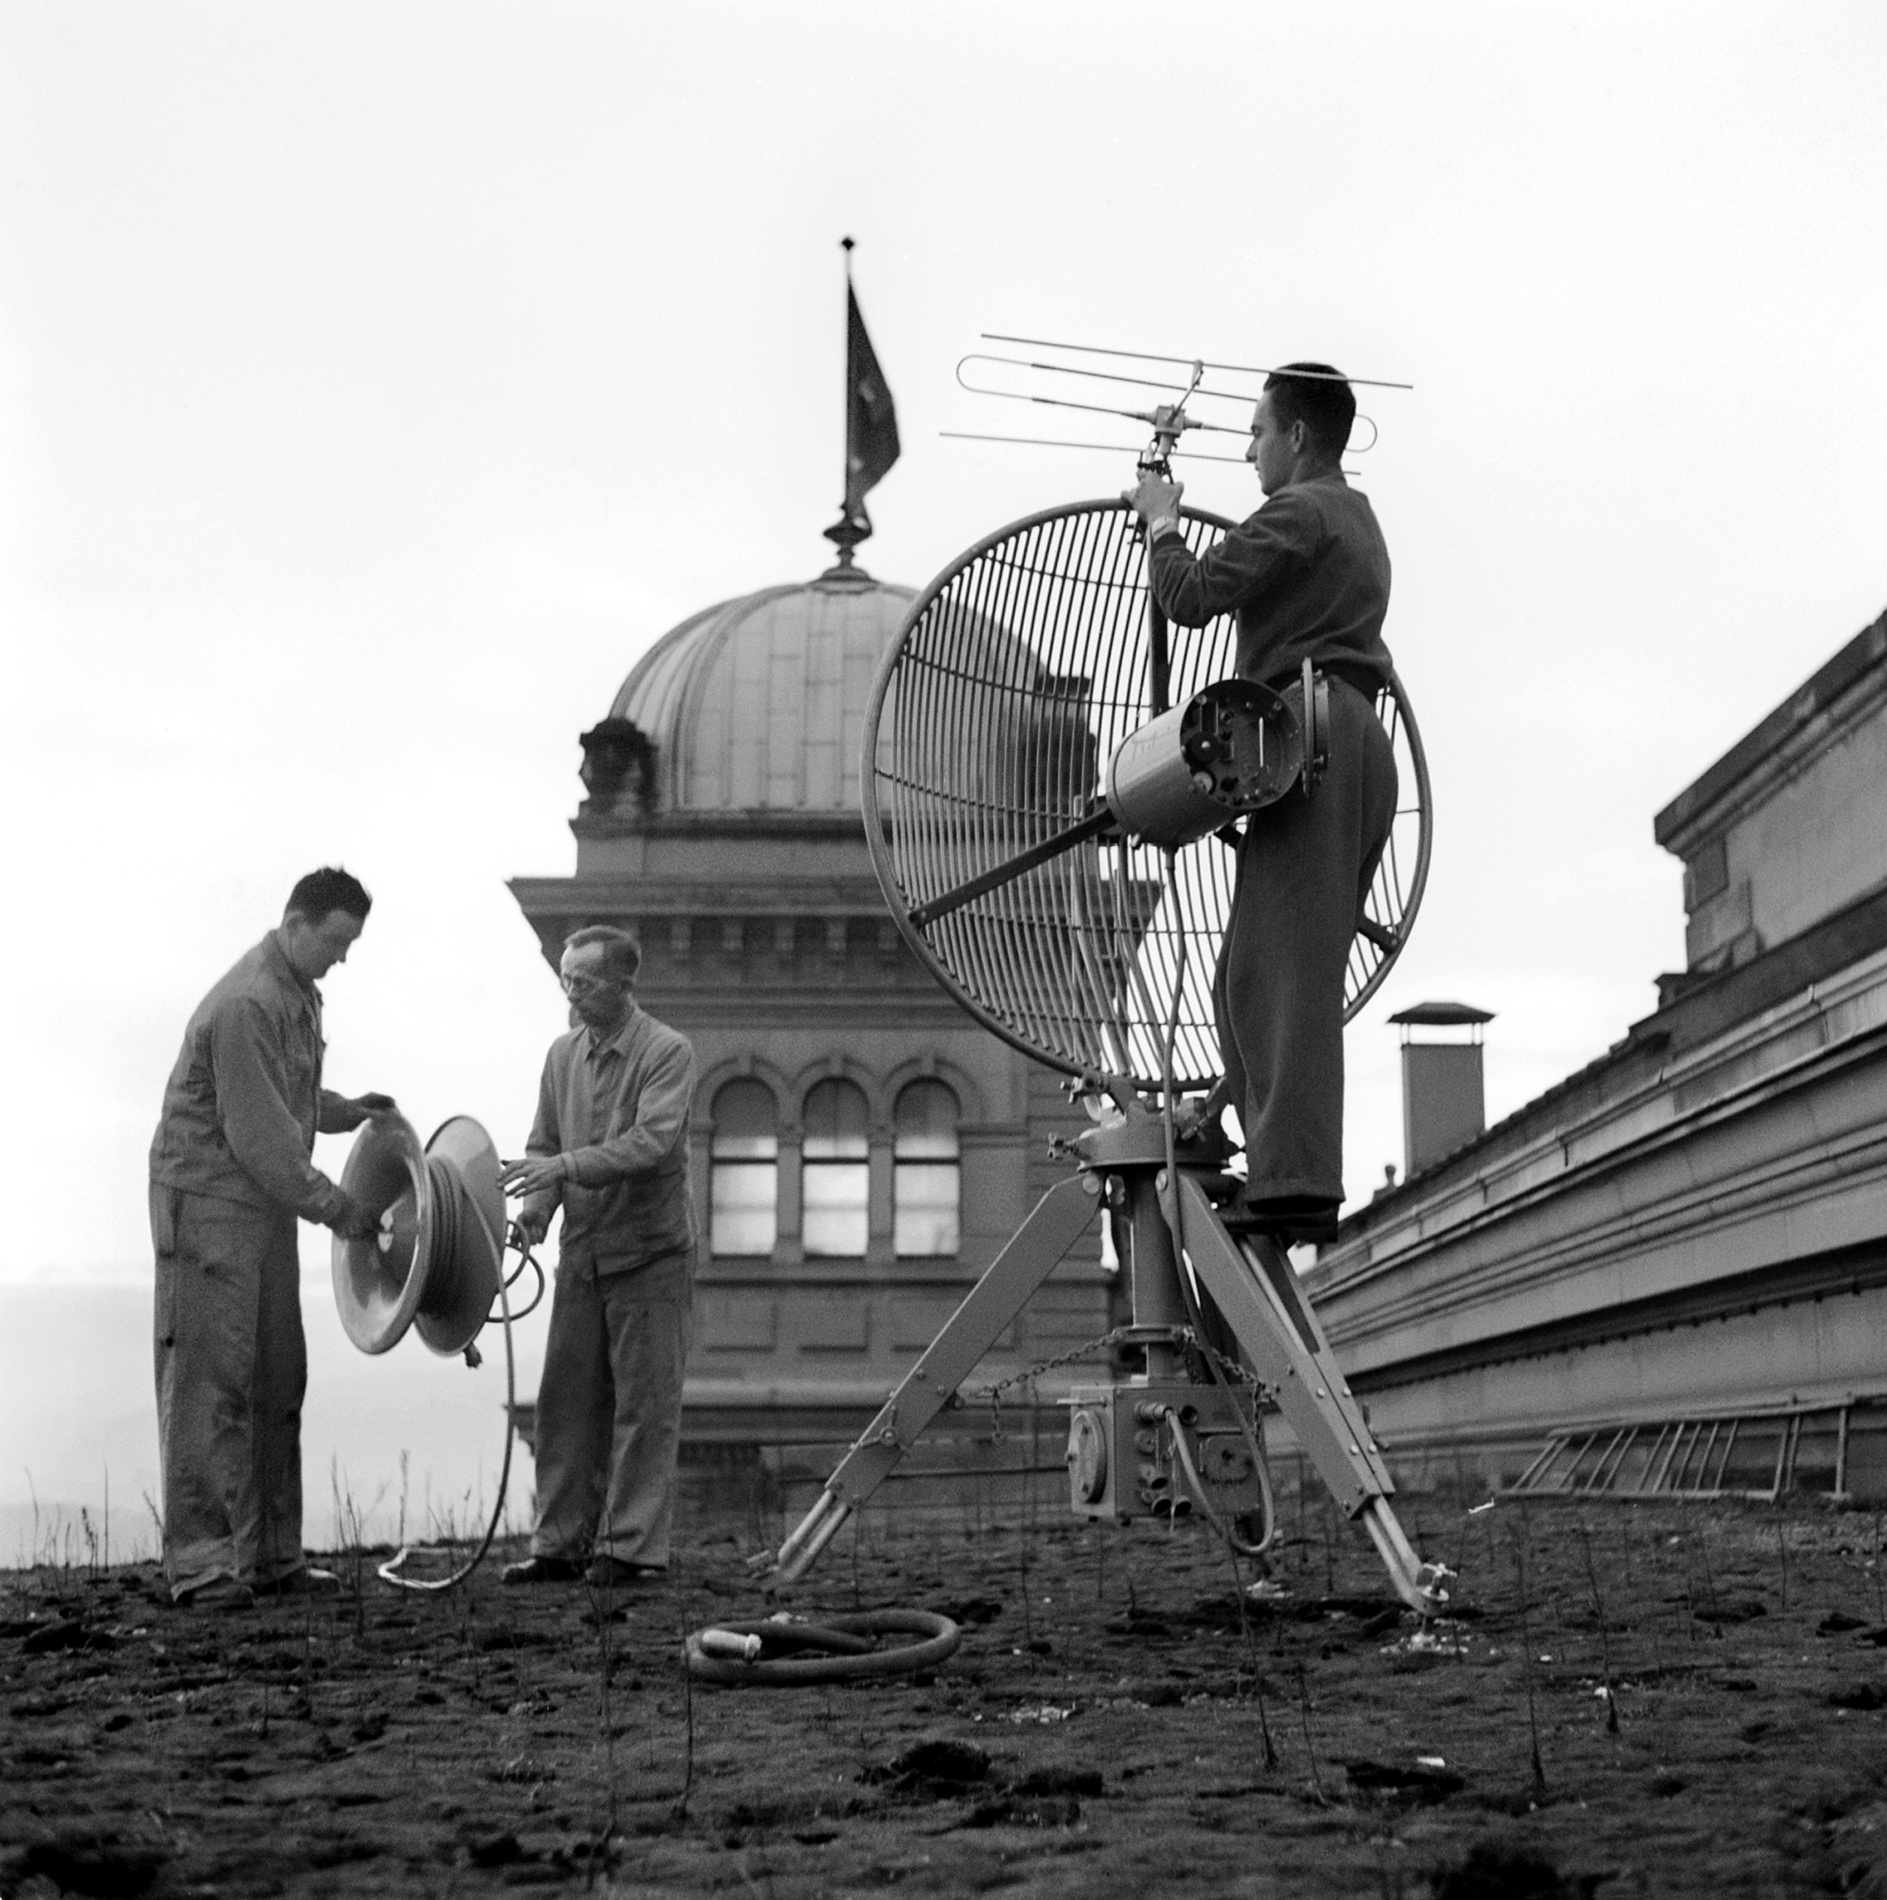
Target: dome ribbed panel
[[653, 693], [758, 704]]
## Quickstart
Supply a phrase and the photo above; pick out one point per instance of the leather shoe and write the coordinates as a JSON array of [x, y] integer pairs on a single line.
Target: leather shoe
[[1289, 1220], [612, 1573], [305, 1582], [542, 1570]]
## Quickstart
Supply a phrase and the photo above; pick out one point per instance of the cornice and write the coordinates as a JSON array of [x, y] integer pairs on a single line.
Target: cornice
[[711, 894], [1845, 1271], [1812, 719], [760, 822], [1682, 1244], [1598, 1191]]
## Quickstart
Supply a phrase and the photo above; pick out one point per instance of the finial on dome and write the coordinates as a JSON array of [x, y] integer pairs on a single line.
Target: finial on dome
[[845, 534]]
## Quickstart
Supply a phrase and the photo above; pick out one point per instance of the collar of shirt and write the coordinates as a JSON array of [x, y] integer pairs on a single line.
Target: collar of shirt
[[597, 1049], [287, 975], [1335, 478]]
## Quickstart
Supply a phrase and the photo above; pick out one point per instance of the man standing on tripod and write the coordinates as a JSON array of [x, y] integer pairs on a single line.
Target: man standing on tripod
[[1308, 579]]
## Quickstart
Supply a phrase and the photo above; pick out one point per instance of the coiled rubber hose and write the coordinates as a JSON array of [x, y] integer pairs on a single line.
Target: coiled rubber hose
[[841, 1646]]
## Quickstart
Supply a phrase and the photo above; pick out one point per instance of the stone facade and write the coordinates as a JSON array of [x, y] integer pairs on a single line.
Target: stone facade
[[1790, 825], [722, 824]]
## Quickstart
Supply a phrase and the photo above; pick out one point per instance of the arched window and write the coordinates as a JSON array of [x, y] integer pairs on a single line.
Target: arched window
[[926, 1176], [743, 1170], [835, 1178]]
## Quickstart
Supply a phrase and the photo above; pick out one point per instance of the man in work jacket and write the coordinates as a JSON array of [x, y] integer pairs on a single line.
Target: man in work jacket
[[1308, 578], [610, 1145], [230, 1173]]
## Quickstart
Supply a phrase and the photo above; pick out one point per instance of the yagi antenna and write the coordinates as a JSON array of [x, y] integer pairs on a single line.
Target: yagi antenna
[[1138, 382], [1168, 420], [1150, 356]]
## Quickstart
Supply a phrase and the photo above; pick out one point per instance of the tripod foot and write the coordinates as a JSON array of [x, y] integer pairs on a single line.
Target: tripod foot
[[810, 1536], [1423, 1587]]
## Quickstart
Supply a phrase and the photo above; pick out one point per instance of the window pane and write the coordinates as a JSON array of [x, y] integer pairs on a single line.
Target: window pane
[[837, 1197], [743, 1173], [835, 1123], [742, 1215], [926, 1123], [925, 1179], [745, 1122], [926, 1220]]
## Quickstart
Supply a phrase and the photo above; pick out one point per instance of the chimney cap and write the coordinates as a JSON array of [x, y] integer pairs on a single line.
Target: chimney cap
[[1442, 1015]]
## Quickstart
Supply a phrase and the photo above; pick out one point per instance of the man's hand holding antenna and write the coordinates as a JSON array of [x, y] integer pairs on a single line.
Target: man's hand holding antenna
[[1155, 499]]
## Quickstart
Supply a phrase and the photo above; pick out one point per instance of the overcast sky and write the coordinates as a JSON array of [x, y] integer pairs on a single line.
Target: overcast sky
[[380, 380]]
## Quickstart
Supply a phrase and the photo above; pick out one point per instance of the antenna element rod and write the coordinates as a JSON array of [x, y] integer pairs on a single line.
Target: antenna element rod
[[1092, 826]]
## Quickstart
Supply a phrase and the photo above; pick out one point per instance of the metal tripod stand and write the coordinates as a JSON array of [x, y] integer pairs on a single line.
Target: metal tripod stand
[[1130, 1439]]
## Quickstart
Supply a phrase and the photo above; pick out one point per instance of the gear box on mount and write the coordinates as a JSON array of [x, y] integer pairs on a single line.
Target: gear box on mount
[[1120, 1451]]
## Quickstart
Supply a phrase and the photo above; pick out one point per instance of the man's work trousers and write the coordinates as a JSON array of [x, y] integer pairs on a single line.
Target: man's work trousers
[[609, 1412], [1304, 868], [231, 1370]]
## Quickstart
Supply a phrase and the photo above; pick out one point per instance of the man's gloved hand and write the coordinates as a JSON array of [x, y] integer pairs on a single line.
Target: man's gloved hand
[[1156, 501], [355, 1221]]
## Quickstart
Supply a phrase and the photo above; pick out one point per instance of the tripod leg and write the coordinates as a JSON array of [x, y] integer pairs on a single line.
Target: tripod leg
[[1039, 1244], [1258, 1293]]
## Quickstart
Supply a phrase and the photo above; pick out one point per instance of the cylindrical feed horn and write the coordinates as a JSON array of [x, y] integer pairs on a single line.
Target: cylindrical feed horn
[[438, 1255], [1233, 747]]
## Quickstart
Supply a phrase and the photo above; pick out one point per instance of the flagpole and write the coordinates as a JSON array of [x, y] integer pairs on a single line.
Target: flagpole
[[845, 533], [871, 434], [846, 245]]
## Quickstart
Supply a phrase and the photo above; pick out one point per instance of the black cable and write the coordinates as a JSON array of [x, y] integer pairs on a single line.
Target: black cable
[[1170, 1207], [433, 1586]]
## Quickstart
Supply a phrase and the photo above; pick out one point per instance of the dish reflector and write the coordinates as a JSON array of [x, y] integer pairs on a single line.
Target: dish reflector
[[998, 715]]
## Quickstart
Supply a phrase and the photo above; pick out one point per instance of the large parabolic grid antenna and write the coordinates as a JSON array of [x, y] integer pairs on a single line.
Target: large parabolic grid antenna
[[1015, 676]]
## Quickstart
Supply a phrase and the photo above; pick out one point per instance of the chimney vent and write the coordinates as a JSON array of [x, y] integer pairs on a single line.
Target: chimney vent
[[1444, 1097]]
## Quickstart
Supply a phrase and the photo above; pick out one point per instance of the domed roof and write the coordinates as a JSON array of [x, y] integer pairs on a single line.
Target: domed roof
[[758, 704]]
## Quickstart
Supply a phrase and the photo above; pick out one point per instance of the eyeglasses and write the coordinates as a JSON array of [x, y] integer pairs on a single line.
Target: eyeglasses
[[584, 984]]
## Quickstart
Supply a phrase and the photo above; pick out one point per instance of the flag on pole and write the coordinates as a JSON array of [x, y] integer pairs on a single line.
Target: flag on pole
[[871, 418]]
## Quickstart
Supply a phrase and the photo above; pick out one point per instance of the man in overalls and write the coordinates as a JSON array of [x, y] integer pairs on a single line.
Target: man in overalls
[[1308, 578], [230, 1176]]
